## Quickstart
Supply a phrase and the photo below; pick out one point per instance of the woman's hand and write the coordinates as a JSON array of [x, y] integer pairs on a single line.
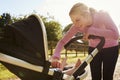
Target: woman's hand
[[55, 63]]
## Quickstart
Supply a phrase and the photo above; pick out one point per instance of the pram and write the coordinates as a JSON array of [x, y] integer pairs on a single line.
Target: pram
[[23, 50]]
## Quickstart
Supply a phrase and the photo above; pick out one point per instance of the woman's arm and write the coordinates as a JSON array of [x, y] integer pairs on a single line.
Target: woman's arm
[[72, 31]]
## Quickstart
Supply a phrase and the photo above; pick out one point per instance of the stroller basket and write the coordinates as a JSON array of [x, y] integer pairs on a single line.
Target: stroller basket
[[23, 50]]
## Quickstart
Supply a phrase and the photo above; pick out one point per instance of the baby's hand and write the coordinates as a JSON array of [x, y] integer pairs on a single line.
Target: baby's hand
[[77, 63]]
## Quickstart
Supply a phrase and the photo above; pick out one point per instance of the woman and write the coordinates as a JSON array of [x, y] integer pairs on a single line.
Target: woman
[[91, 22]]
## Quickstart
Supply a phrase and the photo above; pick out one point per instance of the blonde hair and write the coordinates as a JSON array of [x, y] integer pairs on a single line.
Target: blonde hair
[[79, 8]]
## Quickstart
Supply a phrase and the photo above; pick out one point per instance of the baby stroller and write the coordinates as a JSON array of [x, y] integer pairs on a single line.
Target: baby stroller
[[23, 50]]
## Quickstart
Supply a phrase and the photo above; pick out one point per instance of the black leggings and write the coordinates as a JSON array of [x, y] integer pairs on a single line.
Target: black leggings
[[108, 57]]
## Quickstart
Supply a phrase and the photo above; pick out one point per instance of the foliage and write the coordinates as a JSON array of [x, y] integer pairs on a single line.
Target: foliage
[[5, 19], [67, 28], [54, 31], [15, 19], [53, 28]]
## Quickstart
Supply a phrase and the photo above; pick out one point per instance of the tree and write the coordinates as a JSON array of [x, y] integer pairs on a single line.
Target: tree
[[67, 28], [15, 19], [5, 19], [54, 33]]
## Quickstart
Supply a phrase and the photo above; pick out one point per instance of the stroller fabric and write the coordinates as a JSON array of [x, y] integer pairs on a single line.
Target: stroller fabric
[[25, 40]]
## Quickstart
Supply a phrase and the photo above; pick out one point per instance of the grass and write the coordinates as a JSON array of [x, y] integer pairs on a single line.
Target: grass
[[71, 59], [6, 74]]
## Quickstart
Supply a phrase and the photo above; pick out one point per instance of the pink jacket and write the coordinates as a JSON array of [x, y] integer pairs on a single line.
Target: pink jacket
[[102, 26]]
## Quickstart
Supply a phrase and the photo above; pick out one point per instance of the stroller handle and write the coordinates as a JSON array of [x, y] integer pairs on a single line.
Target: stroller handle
[[80, 70], [101, 43]]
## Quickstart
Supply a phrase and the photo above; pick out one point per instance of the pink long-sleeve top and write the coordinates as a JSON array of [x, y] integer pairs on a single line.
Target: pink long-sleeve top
[[102, 26]]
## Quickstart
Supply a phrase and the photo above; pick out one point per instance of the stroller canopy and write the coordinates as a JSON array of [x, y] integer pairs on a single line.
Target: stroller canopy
[[25, 40]]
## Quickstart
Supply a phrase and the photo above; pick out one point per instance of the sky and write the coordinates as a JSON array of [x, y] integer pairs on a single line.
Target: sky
[[58, 8]]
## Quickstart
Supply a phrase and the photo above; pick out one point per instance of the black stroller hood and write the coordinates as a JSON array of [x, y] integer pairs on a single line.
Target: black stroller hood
[[25, 37], [25, 40]]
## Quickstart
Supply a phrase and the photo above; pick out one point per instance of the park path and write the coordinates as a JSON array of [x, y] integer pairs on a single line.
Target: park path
[[116, 73]]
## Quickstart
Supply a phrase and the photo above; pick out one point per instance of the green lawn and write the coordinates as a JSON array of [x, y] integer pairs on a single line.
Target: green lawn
[[71, 59], [5, 74]]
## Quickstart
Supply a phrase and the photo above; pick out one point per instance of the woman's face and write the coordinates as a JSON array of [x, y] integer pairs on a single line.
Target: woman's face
[[79, 20]]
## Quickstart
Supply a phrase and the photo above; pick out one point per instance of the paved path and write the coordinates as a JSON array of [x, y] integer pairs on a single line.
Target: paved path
[[116, 74]]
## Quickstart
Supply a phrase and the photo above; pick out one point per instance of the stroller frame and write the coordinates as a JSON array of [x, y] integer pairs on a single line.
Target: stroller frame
[[79, 73]]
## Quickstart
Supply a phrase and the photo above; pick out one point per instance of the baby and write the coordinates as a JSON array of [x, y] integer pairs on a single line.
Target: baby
[[70, 70]]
